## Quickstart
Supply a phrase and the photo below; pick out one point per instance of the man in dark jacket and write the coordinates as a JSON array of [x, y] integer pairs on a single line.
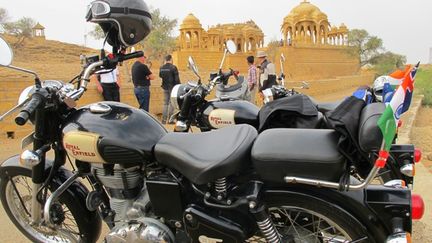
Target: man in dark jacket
[[170, 77]]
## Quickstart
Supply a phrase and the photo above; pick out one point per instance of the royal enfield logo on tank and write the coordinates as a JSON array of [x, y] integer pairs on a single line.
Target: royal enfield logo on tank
[[221, 118]]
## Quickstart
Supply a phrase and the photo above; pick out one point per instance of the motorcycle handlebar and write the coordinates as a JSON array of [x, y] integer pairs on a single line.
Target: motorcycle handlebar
[[130, 56], [29, 109]]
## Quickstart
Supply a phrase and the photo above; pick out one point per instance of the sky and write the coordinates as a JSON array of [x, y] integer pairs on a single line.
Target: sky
[[404, 26]]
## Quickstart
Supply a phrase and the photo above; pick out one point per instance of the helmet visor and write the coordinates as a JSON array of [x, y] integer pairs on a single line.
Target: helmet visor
[[98, 9]]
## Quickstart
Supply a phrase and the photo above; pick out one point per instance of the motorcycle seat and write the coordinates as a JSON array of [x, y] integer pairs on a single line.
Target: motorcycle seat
[[230, 88], [328, 106], [205, 157], [306, 153]]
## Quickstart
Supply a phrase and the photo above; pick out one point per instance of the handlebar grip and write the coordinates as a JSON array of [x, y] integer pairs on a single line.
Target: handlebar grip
[[131, 56], [28, 109]]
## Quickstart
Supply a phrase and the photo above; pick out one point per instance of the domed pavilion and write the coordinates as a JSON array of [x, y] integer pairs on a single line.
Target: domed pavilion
[[247, 36], [307, 24]]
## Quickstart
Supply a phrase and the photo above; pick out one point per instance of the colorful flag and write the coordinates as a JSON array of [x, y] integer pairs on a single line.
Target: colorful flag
[[390, 118], [409, 94]]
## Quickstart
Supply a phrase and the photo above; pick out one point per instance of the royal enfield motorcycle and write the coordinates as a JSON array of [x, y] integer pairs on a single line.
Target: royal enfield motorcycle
[[287, 108], [147, 185]]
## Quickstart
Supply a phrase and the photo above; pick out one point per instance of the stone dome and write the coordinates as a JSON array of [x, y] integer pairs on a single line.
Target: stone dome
[[305, 11], [191, 22]]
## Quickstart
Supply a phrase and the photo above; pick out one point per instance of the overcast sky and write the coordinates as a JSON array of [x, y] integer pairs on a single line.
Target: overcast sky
[[404, 26]]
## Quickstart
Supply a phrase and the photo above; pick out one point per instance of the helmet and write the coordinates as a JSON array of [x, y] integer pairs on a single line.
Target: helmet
[[124, 22], [378, 87]]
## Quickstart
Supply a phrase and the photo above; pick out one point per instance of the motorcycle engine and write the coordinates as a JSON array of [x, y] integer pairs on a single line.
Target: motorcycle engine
[[129, 200], [141, 230]]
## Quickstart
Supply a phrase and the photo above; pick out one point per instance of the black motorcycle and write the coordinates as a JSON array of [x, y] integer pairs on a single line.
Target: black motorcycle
[[287, 108], [147, 185]]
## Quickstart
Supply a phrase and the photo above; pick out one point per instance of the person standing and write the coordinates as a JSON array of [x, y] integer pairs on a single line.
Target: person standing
[[141, 76], [109, 80], [252, 78], [267, 72], [170, 77]]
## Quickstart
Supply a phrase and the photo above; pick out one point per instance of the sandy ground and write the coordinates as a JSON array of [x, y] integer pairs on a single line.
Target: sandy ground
[[421, 136]]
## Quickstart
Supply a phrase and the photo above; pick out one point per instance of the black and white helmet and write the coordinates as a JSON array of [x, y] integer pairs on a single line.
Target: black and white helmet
[[378, 87], [125, 22]]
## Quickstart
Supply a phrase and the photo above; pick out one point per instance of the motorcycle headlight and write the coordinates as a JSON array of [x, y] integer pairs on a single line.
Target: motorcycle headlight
[[176, 93]]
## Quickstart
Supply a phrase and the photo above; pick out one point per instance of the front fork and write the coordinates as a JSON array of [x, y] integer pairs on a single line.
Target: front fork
[[38, 171]]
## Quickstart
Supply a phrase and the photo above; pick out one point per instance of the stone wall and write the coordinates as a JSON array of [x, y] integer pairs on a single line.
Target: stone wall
[[302, 62]]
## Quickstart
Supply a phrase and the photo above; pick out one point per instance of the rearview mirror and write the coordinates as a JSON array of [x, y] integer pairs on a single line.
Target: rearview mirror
[[6, 54], [192, 65], [231, 47]]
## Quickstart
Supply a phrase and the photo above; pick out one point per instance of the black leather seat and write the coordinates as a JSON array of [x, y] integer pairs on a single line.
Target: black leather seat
[[307, 153], [205, 157], [328, 106]]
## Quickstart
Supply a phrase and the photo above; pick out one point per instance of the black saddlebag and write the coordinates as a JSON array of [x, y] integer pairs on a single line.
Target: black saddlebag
[[297, 111], [306, 153]]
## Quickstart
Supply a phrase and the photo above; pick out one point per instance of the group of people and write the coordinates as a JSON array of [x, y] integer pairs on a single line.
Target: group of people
[[259, 78], [109, 84]]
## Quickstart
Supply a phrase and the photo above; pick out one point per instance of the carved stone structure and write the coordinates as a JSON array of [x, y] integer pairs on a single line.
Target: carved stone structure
[[38, 31], [306, 24], [247, 36], [314, 49]]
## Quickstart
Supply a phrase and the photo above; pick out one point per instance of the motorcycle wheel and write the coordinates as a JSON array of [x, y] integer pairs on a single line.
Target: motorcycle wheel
[[17, 204], [312, 220]]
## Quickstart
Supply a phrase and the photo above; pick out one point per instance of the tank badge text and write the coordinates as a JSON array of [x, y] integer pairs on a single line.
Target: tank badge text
[[219, 121], [76, 151]]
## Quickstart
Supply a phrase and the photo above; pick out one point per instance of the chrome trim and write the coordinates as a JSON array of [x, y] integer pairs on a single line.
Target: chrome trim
[[29, 158], [398, 238], [395, 184], [55, 195], [333, 185], [100, 108], [36, 207], [408, 170]]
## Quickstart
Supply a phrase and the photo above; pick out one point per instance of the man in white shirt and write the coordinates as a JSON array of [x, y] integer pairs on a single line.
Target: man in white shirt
[[109, 81]]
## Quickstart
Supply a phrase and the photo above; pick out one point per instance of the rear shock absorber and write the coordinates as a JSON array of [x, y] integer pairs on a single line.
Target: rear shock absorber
[[264, 223]]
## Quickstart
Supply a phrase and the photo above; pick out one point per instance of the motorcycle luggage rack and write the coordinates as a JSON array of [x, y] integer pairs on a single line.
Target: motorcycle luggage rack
[[345, 187]]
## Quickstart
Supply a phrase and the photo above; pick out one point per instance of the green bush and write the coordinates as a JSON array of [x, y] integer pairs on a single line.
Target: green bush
[[423, 84]]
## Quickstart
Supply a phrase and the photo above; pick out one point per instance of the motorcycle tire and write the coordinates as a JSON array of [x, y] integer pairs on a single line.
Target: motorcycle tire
[[311, 219], [69, 208]]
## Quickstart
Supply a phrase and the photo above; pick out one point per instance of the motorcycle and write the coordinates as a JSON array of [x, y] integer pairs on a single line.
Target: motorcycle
[[147, 185], [240, 89]]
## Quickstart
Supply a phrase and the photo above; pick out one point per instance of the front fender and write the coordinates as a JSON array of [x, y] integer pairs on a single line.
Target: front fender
[[77, 191], [374, 206]]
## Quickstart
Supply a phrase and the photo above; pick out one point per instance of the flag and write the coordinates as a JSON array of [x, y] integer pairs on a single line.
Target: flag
[[409, 94], [390, 118], [387, 93]]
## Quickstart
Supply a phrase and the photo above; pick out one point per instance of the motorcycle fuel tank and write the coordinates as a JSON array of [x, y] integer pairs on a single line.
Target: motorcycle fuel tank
[[219, 114], [111, 132]]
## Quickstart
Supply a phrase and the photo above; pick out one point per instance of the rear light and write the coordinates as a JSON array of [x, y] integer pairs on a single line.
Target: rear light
[[399, 238], [400, 123], [408, 170], [417, 155], [417, 207]]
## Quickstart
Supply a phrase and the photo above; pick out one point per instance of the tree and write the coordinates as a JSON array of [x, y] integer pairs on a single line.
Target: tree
[[364, 46], [22, 29], [388, 62], [160, 41], [97, 33], [4, 16]]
